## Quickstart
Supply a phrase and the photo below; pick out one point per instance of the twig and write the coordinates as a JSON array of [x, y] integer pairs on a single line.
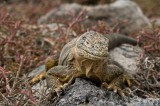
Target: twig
[[13, 33], [77, 20], [22, 59], [29, 95], [145, 92], [4, 72]]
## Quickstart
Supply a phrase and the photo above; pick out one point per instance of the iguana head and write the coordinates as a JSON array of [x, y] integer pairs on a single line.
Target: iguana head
[[92, 45]]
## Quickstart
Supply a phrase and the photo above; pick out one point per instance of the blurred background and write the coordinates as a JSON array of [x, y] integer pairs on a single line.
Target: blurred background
[[33, 9]]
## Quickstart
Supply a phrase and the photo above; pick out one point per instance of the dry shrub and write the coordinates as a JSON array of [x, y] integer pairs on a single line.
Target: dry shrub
[[149, 72], [151, 40]]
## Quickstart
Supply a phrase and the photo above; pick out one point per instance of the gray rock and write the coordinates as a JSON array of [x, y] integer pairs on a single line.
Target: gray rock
[[156, 21], [121, 10], [127, 56], [50, 29], [40, 89], [85, 93], [36, 71]]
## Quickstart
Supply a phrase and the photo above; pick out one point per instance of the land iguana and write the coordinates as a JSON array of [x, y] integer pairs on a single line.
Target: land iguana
[[87, 57]]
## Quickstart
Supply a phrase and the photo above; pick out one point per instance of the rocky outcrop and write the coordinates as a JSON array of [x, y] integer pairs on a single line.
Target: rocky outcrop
[[85, 93], [125, 11], [127, 56]]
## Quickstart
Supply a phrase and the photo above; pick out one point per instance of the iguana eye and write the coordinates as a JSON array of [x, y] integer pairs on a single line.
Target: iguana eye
[[87, 42], [84, 38]]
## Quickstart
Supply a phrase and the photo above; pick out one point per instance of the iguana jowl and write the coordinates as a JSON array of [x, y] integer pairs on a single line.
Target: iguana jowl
[[87, 56]]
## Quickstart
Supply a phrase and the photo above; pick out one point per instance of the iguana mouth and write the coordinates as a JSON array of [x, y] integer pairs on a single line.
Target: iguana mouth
[[91, 56]]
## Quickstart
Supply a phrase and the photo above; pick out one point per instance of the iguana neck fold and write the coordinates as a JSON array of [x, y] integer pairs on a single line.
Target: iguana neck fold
[[87, 65]]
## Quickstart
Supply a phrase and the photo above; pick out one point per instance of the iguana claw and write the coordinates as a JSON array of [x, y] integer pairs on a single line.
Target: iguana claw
[[115, 85]]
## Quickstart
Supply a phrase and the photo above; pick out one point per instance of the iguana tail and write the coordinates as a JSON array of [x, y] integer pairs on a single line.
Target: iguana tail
[[118, 39]]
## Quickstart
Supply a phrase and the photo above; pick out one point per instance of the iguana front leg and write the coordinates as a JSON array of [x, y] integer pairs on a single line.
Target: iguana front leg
[[59, 77], [115, 78]]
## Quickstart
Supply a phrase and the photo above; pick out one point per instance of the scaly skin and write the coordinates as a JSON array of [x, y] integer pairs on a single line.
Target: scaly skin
[[87, 56]]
